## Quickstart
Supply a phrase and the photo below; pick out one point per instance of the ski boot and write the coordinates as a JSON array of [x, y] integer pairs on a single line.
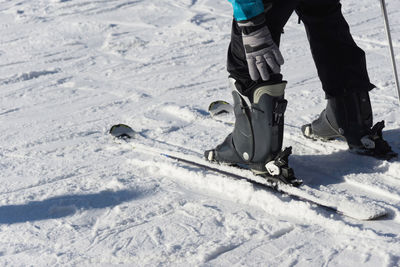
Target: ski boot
[[256, 140], [349, 117]]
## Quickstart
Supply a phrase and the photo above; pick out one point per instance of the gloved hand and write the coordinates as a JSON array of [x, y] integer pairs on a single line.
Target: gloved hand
[[261, 51]]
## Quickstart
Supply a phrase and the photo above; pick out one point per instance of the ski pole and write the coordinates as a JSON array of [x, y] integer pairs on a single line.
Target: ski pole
[[389, 37]]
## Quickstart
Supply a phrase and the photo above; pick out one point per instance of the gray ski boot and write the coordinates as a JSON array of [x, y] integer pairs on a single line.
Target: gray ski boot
[[349, 117], [256, 140]]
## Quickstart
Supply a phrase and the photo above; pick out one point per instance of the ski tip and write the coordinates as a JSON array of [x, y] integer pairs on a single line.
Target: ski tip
[[122, 131], [219, 107], [372, 214]]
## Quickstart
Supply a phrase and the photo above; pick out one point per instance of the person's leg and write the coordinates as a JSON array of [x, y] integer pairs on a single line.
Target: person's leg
[[341, 64], [276, 19], [259, 106], [342, 70]]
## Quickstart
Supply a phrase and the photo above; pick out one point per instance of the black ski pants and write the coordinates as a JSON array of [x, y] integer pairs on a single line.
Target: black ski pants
[[340, 63]]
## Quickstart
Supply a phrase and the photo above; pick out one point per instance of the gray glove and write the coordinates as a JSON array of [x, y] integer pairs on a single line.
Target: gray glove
[[261, 50]]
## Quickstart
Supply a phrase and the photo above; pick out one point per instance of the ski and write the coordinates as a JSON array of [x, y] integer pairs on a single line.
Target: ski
[[372, 185], [341, 205]]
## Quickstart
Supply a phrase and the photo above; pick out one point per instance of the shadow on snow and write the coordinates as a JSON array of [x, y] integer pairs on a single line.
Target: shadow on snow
[[62, 206], [324, 169]]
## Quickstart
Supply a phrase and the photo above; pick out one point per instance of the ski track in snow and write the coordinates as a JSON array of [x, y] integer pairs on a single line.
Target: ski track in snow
[[70, 196]]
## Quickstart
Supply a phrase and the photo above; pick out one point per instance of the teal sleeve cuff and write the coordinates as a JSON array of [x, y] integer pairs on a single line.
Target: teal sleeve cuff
[[246, 9]]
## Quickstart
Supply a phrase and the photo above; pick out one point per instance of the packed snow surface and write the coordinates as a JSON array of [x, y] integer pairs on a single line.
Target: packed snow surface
[[69, 195]]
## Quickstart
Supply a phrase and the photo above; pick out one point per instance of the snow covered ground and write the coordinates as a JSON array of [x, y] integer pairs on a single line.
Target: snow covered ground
[[69, 195]]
